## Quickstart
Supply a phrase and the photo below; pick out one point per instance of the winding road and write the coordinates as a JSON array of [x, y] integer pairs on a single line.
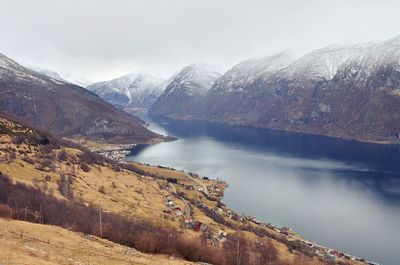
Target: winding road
[[187, 206], [200, 183]]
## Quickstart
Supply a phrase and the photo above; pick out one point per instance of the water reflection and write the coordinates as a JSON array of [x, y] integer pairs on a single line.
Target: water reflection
[[340, 193]]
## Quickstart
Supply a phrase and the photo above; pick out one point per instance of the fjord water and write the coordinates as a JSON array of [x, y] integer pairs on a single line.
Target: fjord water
[[338, 193]]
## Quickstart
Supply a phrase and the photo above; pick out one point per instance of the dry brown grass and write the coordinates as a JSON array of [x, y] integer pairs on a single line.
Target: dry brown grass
[[26, 243], [122, 192]]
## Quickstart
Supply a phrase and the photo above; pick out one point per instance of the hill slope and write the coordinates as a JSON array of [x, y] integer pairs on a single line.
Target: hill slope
[[26, 243], [64, 109], [53, 182]]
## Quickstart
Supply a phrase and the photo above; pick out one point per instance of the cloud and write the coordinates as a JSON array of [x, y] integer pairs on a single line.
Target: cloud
[[102, 39]]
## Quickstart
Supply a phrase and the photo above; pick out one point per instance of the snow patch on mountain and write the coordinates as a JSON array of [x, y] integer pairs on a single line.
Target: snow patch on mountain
[[49, 73], [194, 80], [324, 63], [129, 90], [11, 69], [244, 73]]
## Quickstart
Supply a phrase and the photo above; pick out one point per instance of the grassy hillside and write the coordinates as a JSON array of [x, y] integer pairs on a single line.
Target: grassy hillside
[[153, 209], [25, 243]]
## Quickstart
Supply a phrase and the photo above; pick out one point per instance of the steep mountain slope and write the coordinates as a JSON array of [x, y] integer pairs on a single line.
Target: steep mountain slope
[[341, 91], [62, 108], [184, 94], [136, 92]]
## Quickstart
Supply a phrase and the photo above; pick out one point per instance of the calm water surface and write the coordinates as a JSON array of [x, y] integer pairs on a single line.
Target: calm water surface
[[342, 194]]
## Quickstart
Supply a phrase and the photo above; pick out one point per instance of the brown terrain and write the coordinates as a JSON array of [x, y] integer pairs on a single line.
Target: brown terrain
[[119, 211]]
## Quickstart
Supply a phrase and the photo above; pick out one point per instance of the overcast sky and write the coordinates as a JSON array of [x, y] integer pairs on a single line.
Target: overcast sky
[[100, 40]]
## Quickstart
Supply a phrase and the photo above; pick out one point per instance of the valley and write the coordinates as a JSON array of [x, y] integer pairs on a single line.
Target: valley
[[289, 158]]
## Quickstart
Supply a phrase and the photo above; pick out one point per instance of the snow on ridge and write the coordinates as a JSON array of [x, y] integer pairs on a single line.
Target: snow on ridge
[[10, 67], [245, 72], [194, 79], [320, 63], [325, 62], [134, 86], [56, 77], [9, 64]]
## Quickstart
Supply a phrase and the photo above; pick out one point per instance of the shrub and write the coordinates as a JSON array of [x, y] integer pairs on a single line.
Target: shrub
[[45, 164], [64, 186], [91, 158], [116, 167], [63, 155], [5, 211], [85, 167], [102, 189], [45, 149], [19, 139], [28, 160], [132, 168]]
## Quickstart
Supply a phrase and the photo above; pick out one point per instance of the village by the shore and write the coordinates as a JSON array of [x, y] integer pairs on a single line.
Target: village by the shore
[[215, 192]]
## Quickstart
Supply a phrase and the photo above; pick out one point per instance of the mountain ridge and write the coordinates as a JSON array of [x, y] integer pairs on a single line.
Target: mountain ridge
[[134, 91], [64, 109], [345, 91], [186, 90]]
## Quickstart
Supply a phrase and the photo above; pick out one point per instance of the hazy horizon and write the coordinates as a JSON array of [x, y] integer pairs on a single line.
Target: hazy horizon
[[101, 41]]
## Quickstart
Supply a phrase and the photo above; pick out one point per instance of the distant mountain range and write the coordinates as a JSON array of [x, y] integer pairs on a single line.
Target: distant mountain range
[[349, 91], [186, 91], [61, 108], [132, 92], [342, 91]]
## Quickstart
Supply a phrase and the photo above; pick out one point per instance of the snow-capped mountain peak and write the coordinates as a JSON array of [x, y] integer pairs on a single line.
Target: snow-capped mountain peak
[[134, 90], [247, 71], [194, 79]]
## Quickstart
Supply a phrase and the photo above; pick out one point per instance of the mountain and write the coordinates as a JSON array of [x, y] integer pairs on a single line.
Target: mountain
[[346, 91], [134, 92], [184, 94], [241, 75], [79, 81], [49, 73], [63, 78], [62, 108], [349, 91]]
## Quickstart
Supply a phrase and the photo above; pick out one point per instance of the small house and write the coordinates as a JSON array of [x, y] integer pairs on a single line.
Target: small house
[[178, 213]]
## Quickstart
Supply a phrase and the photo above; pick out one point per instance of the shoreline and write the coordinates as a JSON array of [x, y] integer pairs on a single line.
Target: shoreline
[[394, 141], [120, 152], [286, 232]]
